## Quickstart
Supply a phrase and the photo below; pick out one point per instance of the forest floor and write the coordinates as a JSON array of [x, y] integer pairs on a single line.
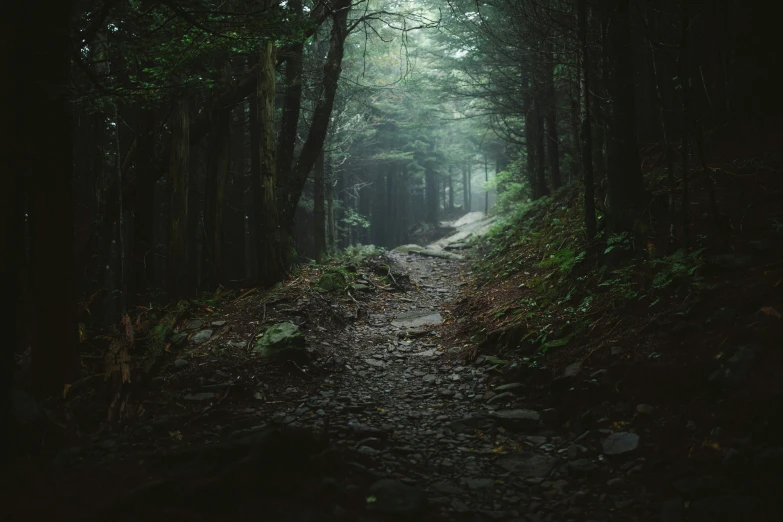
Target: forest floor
[[394, 416]]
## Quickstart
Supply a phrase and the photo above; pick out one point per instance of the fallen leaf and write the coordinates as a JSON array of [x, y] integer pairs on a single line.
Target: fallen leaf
[[770, 311], [499, 449]]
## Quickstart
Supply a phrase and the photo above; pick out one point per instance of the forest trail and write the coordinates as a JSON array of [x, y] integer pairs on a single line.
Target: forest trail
[[414, 430]]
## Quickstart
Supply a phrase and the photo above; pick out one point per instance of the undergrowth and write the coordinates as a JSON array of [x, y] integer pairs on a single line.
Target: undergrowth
[[556, 287]]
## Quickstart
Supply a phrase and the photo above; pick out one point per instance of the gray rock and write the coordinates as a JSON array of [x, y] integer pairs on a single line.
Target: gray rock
[[480, 483], [518, 420], [530, 465], [417, 318], [737, 367], [374, 362], [393, 497], [644, 409], [459, 506], [180, 363], [203, 396], [195, 324], [619, 443], [360, 287], [179, 340], [201, 337], [470, 424], [282, 340], [218, 324], [509, 387], [429, 379], [447, 488], [501, 397], [582, 466], [672, 510]]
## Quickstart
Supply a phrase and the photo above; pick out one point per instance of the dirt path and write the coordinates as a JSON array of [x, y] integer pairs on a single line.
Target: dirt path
[[416, 433], [406, 409]]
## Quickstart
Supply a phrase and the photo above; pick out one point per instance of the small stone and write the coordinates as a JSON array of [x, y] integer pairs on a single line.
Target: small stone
[[201, 337], [480, 484], [375, 363], [573, 452], [203, 396], [582, 466], [644, 409], [445, 392], [218, 324], [195, 324], [528, 465], [620, 442], [180, 363], [615, 483], [393, 497], [459, 506], [509, 387], [447, 488], [518, 420], [501, 397]]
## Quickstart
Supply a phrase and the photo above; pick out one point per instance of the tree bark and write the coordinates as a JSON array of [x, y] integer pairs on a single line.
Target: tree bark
[[292, 100], [552, 144], [586, 138], [323, 111], [217, 193], [177, 259], [624, 175], [431, 193], [319, 213], [143, 202], [47, 159], [270, 257]]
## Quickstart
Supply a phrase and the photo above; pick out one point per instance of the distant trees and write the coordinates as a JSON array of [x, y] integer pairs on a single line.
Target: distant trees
[[569, 83]]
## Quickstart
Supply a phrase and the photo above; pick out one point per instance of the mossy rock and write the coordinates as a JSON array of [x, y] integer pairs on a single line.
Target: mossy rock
[[406, 249], [282, 341], [332, 281]]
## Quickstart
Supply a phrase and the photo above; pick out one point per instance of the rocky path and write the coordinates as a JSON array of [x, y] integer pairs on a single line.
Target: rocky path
[[454, 446], [414, 431]]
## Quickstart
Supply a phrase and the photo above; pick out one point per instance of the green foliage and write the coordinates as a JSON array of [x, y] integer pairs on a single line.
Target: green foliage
[[354, 219], [676, 267], [621, 241], [356, 255], [564, 260]]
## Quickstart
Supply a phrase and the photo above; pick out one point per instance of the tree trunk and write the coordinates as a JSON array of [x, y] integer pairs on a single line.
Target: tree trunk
[[331, 231], [685, 82], [542, 189], [217, 192], [319, 213], [177, 258], [271, 265], [451, 187], [47, 159], [552, 144], [292, 100], [12, 117], [321, 116], [624, 175], [486, 185], [587, 139], [431, 192], [143, 201], [465, 188], [235, 207]]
